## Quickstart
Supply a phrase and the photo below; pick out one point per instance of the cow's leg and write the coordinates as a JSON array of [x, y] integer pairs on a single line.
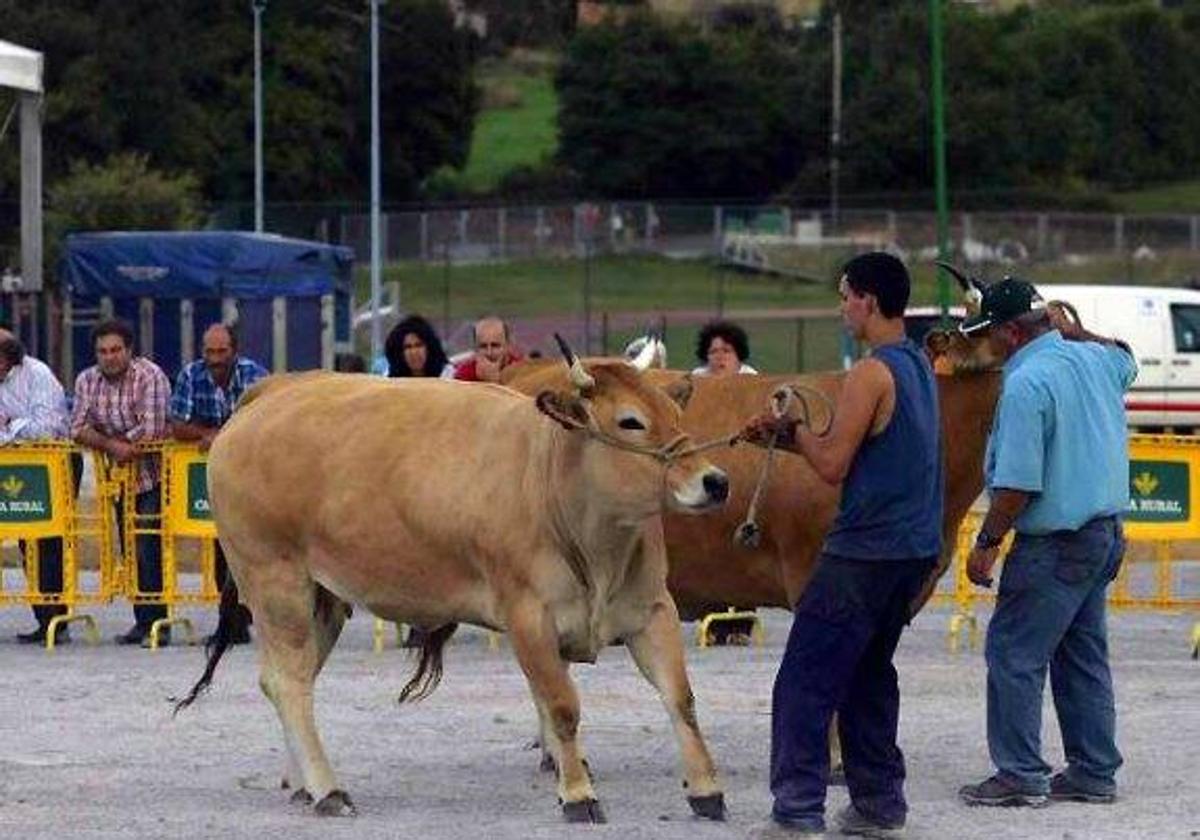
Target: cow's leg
[[531, 631], [293, 646], [331, 615], [658, 651]]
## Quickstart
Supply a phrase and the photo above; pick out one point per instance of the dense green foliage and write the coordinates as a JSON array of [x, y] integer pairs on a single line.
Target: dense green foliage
[[1052, 100], [174, 81], [654, 109]]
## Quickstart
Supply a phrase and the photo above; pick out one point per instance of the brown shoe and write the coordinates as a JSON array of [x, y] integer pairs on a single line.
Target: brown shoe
[[1001, 791], [1063, 789]]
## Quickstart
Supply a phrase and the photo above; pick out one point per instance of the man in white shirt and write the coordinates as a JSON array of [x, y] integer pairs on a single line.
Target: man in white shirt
[[33, 407]]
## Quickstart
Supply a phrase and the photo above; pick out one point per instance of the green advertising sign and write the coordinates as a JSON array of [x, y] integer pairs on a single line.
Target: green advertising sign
[[25, 494], [197, 491], [1159, 491]]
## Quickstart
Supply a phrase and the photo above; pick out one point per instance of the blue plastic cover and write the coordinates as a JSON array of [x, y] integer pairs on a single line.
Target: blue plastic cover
[[202, 264]]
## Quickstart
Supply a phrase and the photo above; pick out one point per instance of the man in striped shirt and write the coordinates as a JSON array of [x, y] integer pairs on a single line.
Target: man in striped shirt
[[121, 401], [206, 392], [33, 407]]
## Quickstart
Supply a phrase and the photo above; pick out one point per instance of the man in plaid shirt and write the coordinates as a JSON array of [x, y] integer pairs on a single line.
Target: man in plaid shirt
[[121, 401], [206, 392]]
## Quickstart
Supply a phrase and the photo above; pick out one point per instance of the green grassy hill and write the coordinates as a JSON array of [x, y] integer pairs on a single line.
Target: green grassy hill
[[517, 120]]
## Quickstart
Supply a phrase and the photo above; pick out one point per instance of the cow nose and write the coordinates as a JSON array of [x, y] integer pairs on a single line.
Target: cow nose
[[716, 485]]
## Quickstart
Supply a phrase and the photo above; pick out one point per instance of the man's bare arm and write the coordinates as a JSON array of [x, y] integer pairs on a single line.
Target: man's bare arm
[[867, 385]]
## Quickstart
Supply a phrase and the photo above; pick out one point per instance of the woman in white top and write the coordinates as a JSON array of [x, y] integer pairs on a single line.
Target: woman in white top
[[723, 348], [414, 349]]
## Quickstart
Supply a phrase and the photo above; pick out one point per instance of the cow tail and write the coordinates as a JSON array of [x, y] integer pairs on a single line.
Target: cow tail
[[218, 643], [429, 668]]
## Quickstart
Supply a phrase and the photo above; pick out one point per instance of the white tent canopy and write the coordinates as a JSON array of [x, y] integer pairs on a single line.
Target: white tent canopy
[[20, 68]]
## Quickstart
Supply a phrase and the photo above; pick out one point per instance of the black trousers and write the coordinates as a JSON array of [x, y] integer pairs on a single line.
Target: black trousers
[[50, 558], [839, 658], [148, 548]]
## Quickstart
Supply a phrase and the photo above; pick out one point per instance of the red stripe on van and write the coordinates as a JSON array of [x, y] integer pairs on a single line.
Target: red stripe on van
[[1161, 406]]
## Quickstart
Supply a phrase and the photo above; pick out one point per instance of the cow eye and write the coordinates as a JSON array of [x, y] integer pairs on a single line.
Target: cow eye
[[630, 423]]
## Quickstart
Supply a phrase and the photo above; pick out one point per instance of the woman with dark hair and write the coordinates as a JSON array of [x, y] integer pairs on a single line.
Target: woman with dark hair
[[723, 348], [414, 349]]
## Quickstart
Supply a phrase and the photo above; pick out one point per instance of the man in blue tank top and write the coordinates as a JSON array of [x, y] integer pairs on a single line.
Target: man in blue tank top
[[884, 448], [1057, 471]]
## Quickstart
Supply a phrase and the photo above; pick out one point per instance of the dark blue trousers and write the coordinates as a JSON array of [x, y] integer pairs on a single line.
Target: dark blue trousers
[[839, 658]]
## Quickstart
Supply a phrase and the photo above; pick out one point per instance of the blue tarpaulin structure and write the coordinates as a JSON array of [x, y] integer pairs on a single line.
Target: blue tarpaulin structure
[[205, 268]]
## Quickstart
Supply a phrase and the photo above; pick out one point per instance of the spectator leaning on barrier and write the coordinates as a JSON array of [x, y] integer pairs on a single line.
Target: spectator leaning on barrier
[[206, 392], [494, 351], [33, 407], [883, 447], [1057, 471], [723, 348], [121, 401], [414, 349]]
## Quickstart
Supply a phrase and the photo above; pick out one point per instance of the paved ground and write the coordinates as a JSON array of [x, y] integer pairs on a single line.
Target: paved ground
[[88, 748]]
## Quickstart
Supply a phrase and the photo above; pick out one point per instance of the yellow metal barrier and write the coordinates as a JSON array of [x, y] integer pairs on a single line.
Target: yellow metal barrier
[[730, 615], [1163, 469], [37, 501]]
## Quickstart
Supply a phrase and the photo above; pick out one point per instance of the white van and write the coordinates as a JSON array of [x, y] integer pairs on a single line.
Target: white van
[[1162, 325]]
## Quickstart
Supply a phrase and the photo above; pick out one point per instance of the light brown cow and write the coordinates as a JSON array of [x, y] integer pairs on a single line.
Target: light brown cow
[[440, 502], [708, 569]]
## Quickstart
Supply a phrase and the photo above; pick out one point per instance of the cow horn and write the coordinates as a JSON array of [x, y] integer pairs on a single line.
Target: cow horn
[[645, 358], [580, 378], [971, 286]]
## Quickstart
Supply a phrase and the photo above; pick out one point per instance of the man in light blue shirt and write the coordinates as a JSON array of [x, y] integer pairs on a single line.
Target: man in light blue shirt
[[33, 407], [1057, 471]]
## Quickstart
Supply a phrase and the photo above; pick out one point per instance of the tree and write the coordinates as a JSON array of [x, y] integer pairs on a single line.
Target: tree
[[651, 109], [123, 193], [174, 81]]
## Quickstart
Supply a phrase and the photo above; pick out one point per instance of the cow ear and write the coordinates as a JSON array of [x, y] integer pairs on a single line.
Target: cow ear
[[680, 390], [562, 407]]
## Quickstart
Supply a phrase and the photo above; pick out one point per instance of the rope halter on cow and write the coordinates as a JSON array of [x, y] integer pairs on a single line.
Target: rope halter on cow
[[749, 533], [666, 454], [584, 382]]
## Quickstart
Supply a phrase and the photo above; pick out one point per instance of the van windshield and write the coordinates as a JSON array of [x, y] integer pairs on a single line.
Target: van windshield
[[1185, 320]]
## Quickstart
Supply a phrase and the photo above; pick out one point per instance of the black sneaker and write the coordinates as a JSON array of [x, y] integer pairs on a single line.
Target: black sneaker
[[133, 636], [854, 822], [1000, 791], [38, 637], [1062, 789]]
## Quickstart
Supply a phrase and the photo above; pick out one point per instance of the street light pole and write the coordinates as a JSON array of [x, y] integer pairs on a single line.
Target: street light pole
[[939, 151], [835, 132], [258, 6], [376, 268]]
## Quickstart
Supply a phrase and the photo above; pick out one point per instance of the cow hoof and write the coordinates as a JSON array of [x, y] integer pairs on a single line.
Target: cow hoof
[[584, 811], [302, 797], [336, 804], [547, 764], [711, 807], [837, 776]]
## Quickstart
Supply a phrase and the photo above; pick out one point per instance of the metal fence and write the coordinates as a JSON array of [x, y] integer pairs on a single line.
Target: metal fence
[[565, 230]]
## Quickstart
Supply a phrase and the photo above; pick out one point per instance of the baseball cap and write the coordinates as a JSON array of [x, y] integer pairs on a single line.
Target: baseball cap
[[1011, 298]]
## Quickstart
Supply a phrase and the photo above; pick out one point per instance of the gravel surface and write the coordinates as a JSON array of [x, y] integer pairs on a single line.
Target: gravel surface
[[89, 749]]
